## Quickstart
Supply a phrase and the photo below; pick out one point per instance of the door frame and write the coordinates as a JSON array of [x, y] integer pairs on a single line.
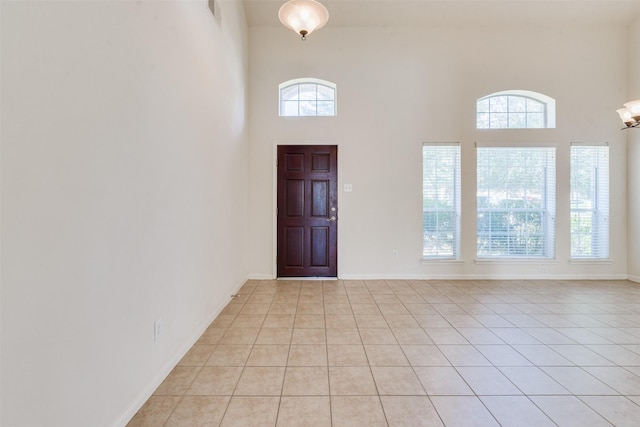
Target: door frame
[[274, 198]]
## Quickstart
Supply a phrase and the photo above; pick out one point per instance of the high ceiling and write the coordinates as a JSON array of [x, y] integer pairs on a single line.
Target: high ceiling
[[363, 13]]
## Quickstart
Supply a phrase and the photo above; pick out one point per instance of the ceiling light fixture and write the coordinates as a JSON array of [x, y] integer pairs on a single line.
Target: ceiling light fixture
[[630, 114], [303, 16]]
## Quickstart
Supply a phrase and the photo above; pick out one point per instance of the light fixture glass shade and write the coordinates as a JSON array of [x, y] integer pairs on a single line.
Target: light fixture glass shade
[[634, 109], [303, 16], [625, 116]]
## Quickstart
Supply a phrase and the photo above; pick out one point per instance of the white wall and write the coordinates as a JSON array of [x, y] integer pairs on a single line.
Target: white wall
[[400, 87], [633, 136], [124, 192]]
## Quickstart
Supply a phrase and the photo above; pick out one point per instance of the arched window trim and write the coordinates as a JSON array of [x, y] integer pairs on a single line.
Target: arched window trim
[[547, 101], [307, 80]]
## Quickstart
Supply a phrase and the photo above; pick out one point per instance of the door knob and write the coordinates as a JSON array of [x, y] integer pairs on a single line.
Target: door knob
[[333, 218]]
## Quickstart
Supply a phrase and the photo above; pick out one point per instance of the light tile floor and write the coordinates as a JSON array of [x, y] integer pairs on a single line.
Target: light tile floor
[[412, 353]]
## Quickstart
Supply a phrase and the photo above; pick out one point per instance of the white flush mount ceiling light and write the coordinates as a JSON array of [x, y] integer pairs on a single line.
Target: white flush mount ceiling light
[[630, 114], [303, 16]]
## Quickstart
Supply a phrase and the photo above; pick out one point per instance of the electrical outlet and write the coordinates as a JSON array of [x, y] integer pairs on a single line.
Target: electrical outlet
[[395, 254], [157, 329], [543, 268]]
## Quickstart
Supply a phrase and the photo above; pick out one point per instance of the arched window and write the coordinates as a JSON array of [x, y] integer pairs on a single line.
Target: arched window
[[307, 97], [516, 109]]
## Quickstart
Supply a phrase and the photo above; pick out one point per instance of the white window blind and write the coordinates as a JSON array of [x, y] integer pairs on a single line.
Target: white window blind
[[589, 201], [440, 200], [516, 198], [307, 97]]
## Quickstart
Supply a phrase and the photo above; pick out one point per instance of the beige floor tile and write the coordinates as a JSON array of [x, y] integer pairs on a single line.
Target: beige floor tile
[[443, 381], [306, 381], [296, 411], [315, 308], [365, 309], [309, 336], [377, 336], [347, 355], [178, 381], [255, 309], [569, 411], [410, 411], [401, 321], [155, 411], [251, 411], [618, 410], [420, 308], [385, 355], [307, 355], [260, 299], [617, 354], [578, 381], [213, 335], [462, 321], [549, 336], [343, 336], [620, 379], [229, 355], [397, 381], [488, 381], [309, 321], [215, 381], [514, 336], [392, 308], [232, 308], [355, 411], [289, 308], [269, 355], [199, 411], [580, 355], [274, 336], [260, 381], [279, 321], [516, 411], [433, 321], [463, 411], [446, 336], [240, 336], [351, 381], [480, 336], [464, 355], [502, 355], [411, 336], [337, 308], [532, 380], [339, 321], [222, 321], [425, 355], [542, 355], [370, 321], [334, 297], [362, 298], [248, 321], [197, 355]]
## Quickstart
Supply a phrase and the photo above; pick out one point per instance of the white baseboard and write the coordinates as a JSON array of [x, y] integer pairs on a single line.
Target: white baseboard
[[633, 278], [510, 276]]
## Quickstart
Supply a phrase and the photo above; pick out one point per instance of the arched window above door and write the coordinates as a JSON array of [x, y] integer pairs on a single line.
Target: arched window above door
[[307, 97]]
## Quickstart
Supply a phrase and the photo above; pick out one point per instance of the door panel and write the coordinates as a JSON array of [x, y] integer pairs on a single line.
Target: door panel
[[307, 210]]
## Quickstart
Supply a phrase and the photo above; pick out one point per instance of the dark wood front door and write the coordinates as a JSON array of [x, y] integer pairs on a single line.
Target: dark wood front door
[[307, 211]]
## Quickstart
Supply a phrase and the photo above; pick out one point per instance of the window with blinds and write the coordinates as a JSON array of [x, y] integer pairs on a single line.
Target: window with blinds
[[589, 201], [440, 200], [307, 97], [516, 199]]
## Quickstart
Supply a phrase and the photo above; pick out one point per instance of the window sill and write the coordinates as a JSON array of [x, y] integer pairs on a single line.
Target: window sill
[[441, 261], [524, 261], [592, 261]]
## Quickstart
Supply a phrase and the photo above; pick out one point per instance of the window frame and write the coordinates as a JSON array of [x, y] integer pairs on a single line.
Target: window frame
[[547, 211], [307, 81], [600, 212], [548, 103], [455, 211]]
